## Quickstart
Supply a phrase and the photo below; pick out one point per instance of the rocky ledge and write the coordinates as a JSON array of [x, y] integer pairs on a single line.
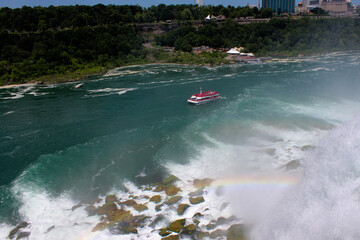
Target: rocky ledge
[[170, 209]]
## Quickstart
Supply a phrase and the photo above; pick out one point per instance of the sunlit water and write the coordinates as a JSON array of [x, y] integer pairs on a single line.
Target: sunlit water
[[60, 146]]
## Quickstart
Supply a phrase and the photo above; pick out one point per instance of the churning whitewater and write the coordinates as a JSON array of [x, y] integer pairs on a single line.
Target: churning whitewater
[[279, 151]]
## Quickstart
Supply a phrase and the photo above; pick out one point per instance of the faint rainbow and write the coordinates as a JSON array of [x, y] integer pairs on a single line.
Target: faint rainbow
[[256, 181]]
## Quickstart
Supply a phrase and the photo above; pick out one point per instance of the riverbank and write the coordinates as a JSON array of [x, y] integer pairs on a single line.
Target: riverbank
[[156, 57]]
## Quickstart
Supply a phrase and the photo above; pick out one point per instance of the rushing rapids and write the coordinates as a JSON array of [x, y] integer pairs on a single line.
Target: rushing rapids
[[280, 148]]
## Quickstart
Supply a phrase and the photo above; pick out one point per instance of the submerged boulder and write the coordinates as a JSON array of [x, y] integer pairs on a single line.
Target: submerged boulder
[[202, 183], [196, 193], [91, 210], [158, 219], [236, 232], [158, 207], [218, 233], [170, 180], [22, 235], [292, 165], [17, 229], [100, 226]]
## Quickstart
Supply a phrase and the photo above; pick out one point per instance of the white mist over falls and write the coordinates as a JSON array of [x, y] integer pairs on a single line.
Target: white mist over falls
[[282, 146]]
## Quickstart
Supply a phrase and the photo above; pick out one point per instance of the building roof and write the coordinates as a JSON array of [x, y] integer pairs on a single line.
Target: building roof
[[233, 51]]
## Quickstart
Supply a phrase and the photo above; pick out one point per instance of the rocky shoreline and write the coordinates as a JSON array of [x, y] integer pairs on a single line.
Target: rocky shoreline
[[169, 210]]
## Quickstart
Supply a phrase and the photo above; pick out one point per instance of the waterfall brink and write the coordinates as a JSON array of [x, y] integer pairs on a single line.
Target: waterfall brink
[[325, 204]]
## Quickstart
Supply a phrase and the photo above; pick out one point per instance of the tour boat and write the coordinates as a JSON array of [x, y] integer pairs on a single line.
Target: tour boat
[[203, 97]]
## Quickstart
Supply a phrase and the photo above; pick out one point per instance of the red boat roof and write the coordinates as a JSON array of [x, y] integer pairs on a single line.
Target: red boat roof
[[205, 94]]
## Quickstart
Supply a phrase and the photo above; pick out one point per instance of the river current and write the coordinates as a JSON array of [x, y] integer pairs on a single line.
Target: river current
[[286, 119]]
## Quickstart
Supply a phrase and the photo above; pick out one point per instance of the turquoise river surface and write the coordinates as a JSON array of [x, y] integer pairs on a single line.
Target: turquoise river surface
[[133, 126]]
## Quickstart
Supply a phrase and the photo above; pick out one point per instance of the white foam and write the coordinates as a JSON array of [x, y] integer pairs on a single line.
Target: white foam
[[108, 91], [52, 218], [325, 205]]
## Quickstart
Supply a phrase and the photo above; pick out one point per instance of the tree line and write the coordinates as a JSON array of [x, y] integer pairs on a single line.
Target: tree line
[[62, 17], [279, 36], [28, 52]]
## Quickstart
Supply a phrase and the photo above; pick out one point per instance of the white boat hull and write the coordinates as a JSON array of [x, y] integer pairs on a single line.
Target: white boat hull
[[198, 102]]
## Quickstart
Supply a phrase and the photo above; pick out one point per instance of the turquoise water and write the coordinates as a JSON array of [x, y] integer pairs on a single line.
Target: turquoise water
[[135, 125]]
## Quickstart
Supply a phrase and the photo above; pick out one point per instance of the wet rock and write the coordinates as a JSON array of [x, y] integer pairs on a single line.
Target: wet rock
[[196, 200], [170, 180], [77, 206], [173, 200], [158, 219], [164, 232], [98, 200], [308, 148], [222, 221], [133, 197], [158, 207], [107, 209], [196, 221], [50, 228], [171, 237], [202, 183], [16, 230], [236, 232], [182, 208], [155, 199], [189, 229], [140, 207], [159, 188], [129, 202], [100, 226], [292, 165], [177, 225], [196, 193], [223, 206], [123, 230], [218, 233], [211, 226], [202, 235], [120, 215], [172, 190], [110, 198], [141, 219], [197, 215], [91, 210], [23, 235]]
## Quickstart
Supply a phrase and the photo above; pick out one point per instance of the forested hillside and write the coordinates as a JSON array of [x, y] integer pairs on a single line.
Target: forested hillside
[[279, 36], [69, 42]]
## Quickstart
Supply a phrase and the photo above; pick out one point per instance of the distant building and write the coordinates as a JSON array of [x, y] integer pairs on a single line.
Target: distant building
[[250, 6], [300, 9], [335, 7], [280, 5]]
